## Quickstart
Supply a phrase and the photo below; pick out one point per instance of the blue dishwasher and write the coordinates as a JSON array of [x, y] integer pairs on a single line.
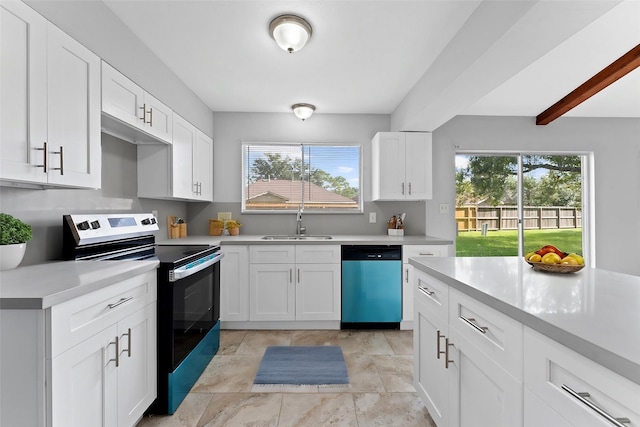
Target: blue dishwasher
[[371, 286]]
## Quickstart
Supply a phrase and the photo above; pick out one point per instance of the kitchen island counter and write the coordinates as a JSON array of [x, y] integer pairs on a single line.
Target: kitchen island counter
[[44, 285], [593, 312]]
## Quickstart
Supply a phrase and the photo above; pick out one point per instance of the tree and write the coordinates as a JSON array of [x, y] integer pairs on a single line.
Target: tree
[[548, 180], [275, 166]]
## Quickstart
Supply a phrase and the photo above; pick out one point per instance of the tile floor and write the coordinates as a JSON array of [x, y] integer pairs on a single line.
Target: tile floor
[[380, 392]]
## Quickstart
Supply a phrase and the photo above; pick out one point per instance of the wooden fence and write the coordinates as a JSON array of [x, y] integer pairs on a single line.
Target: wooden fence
[[471, 218]]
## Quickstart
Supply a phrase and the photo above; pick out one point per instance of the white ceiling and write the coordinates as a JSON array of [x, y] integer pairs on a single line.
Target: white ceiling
[[366, 56]]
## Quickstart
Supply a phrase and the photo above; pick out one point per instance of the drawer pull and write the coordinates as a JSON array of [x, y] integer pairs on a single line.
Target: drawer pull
[[120, 302], [438, 351], [425, 291], [426, 254], [618, 422], [472, 322]]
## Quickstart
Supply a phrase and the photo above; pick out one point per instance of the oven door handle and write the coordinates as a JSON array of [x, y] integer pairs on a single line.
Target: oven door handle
[[194, 267]]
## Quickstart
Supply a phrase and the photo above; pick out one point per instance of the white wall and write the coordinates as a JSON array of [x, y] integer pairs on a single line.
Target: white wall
[[616, 147]]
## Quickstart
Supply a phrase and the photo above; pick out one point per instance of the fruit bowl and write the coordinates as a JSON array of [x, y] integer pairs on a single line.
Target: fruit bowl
[[555, 268]]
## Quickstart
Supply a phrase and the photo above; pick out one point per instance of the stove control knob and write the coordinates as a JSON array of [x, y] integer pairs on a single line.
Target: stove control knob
[[83, 225], [95, 224], [146, 221], [153, 221]]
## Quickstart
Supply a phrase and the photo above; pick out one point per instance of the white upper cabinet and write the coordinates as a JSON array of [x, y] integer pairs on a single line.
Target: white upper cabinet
[[50, 112], [130, 113], [401, 167], [182, 170]]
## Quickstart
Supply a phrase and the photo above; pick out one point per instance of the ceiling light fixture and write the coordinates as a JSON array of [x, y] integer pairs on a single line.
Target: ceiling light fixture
[[291, 32], [303, 111]]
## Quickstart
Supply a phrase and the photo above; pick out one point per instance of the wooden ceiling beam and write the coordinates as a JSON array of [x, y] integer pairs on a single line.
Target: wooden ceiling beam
[[616, 70]]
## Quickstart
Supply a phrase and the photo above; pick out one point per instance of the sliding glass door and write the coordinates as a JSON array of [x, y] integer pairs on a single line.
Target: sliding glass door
[[508, 205]]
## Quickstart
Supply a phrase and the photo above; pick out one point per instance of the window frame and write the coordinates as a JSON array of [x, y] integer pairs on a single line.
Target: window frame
[[244, 172]]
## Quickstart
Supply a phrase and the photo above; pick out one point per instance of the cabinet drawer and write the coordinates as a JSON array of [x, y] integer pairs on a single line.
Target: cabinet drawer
[[80, 318], [414, 251], [279, 254], [557, 374], [497, 335], [432, 294], [318, 254]]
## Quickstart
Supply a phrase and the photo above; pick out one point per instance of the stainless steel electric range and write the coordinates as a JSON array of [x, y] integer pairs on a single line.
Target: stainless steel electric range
[[188, 292]]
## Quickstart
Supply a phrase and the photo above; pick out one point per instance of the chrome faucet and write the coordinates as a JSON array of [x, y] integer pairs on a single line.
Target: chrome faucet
[[300, 229]]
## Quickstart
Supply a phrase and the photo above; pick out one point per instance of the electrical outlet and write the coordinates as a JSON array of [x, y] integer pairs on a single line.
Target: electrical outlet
[[155, 214], [372, 217], [444, 208]]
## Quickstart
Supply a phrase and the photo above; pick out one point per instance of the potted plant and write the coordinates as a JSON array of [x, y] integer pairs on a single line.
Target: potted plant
[[232, 226], [14, 235]]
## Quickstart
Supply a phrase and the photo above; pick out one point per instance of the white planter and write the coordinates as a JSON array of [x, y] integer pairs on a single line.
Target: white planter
[[11, 255]]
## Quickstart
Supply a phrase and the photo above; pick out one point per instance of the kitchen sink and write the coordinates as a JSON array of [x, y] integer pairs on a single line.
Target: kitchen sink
[[297, 237]]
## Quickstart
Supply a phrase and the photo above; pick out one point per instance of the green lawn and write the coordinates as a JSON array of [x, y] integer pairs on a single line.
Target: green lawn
[[505, 243]]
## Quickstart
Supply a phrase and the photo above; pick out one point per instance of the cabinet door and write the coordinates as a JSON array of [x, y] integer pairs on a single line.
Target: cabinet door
[[234, 284], [203, 167], [158, 118], [137, 375], [84, 383], [481, 393], [184, 137], [430, 377], [272, 292], [418, 177], [537, 413], [121, 97], [389, 166], [23, 84], [318, 291], [73, 112]]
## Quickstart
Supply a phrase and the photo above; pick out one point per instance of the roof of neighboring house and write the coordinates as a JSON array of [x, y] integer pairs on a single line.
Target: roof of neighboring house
[[290, 192]]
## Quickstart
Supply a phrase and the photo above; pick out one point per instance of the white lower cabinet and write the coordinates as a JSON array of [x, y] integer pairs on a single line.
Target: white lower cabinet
[[234, 283], [294, 282], [575, 388], [91, 360], [458, 368], [413, 251]]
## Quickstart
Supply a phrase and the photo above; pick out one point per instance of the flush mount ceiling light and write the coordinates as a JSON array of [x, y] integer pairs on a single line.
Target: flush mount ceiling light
[[291, 32], [303, 111]]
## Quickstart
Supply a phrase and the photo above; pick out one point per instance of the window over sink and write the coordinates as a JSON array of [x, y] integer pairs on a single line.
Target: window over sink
[[284, 177]]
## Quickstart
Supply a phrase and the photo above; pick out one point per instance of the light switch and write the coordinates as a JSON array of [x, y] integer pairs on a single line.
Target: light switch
[[372, 217]]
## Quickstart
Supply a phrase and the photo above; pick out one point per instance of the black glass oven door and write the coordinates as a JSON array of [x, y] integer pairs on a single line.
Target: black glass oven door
[[195, 310]]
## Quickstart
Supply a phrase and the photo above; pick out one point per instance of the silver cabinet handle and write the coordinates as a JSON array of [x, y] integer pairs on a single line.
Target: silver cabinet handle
[[128, 334], [447, 344], [150, 122], [425, 291], [117, 359], [120, 302], [290, 275], [44, 161], [426, 254], [409, 188], [581, 397], [472, 322], [403, 188], [406, 275], [61, 168], [144, 113], [298, 275], [438, 351]]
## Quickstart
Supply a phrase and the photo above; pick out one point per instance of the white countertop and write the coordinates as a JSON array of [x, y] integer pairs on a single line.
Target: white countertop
[[594, 312], [43, 285], [335, 240]]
